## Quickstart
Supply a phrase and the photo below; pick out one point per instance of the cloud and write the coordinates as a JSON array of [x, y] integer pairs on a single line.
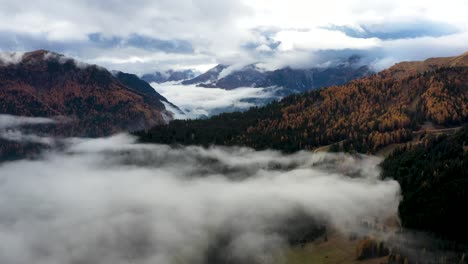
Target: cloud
[[111, 200], [397, 50], [11, 121], [398, 30], [11, 129], [318, 39], [231, 69], [7, 58], [145, 36], [143, 42], [18, 136], [199, 102], [143, 25]]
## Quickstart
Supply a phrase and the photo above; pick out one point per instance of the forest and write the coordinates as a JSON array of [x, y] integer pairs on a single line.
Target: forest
[[433, 176]]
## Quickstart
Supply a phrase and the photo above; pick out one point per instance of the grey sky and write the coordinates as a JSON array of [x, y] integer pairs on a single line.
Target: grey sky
[[143, 36]]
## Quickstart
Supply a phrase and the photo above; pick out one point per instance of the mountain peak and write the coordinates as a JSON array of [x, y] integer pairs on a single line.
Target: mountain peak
[[40, 52], [38, 55], [210, 76], [219, 68]]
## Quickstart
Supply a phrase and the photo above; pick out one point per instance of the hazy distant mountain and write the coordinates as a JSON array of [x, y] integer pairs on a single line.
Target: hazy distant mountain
[[310, 79], [208, 77], [47, 84], [292, 80], [156, 77], [249, 76], [169, 76]]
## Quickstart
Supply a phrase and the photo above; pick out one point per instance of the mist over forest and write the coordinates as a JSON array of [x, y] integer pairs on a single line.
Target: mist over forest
[[113, 200]]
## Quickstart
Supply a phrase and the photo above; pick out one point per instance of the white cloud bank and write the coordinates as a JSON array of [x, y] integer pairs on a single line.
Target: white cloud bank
[[114, 201], [199, 102], [220, 31]]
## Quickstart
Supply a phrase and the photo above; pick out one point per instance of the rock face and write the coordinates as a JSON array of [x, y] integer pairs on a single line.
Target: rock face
[[95, 102]]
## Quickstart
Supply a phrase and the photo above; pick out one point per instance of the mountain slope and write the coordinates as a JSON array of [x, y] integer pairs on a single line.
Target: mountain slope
[[434, 178], [363, 115], [134, 82], [411, 67], [47, 84]]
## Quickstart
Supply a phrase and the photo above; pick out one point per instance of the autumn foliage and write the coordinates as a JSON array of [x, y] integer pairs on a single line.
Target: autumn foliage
[[94, 102], [363, 115]]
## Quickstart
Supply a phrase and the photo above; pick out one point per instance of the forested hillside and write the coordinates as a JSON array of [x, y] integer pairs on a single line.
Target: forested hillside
[[364, 115], [434, 180], [95, 103]]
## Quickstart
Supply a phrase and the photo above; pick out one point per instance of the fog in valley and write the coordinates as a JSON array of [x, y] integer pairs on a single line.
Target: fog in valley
[[200, 102], [113, 200]]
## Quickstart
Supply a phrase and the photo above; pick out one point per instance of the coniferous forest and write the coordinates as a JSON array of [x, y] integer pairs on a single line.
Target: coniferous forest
[[433, 176]]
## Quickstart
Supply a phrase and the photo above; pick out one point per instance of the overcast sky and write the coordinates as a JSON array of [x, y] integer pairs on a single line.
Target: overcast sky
[[146, 35]]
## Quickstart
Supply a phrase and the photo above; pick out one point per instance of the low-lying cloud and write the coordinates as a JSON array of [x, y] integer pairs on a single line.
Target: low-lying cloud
[[11, 121], [199, 102], [111, 200], [11, 128], [7, 58]]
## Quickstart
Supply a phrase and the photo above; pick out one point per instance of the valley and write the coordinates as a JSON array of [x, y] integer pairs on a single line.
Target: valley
[[233, 132]]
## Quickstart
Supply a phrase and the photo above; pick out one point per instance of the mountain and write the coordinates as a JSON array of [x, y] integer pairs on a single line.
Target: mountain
[[297, 80], [156, 77], [411, 67], [169, 76], [248, 76], [208, 77], [96, 103], [363, 115], [291, 80]]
